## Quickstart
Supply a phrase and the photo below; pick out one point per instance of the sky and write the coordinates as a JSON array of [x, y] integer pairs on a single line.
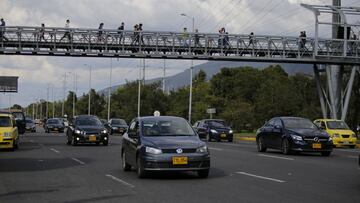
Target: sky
[[37, 73]]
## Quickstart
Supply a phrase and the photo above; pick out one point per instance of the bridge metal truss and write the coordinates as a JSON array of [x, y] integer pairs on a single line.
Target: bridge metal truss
[[176, 45]]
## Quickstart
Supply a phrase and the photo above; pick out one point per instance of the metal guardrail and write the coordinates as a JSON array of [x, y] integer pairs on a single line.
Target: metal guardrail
[[175, 45]]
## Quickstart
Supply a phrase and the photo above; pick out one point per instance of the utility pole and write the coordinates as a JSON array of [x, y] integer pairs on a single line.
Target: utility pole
[[53, 101], [139, 91], [109, 96], [89, 107], [33, 111], [74, 93], [47, 101], [64, 92], [143, 71], [164, 75]]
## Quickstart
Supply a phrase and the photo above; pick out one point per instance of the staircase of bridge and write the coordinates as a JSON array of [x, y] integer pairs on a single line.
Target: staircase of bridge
[[78, 42]]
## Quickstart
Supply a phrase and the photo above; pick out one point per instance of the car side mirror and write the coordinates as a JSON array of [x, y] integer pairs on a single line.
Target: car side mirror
[[133, 135], [278, 127]]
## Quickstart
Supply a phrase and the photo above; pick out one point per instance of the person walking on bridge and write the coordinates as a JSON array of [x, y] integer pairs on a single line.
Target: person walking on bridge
[[121, 31], [67, 31], [100, 33], [2, 30], [42, 32]]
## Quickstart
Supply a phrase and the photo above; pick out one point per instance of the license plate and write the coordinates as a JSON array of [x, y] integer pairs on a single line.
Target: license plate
[[179, 160], [346, 142], [55, 129], [316, 145], [92, 138], [223, 135]]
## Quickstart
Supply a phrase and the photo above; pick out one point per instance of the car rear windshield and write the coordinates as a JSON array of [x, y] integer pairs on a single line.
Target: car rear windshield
[[29, 121], [53, 121], [166, 127], [341, 125], [5, 121], [88, 122], [298, 123], [217, 124], [118, 122]]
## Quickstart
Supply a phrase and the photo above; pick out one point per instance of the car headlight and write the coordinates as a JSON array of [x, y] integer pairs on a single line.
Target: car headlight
[[152, 150], [330, 139], [202, 149], [213, 131], [353, 136], [114, 128], [77, 131], [231, 131], [104, 131], [336, 135], [296, 137], [7, 134]]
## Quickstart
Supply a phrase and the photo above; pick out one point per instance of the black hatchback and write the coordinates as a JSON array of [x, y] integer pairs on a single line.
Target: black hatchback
[[163, 143], [293, 134], [214, 129]]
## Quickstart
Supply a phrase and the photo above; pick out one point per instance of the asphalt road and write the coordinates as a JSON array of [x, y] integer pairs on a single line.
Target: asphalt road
[[45, 169]]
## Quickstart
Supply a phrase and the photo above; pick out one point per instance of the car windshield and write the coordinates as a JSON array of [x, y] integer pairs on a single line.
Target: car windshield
[[341, 125], [298, 123], [29, 121], [218, 124], [118, 122], [53, 121], [88, 122], [166, 127], [5, 121]]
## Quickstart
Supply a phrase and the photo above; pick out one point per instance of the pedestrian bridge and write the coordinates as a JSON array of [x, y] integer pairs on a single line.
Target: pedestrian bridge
[[176, 45]]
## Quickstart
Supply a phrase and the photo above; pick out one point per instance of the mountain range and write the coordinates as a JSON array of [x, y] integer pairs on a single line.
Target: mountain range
[[213, 67]]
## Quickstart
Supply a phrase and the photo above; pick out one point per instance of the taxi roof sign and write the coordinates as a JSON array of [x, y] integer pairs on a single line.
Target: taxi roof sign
[[156, 113]]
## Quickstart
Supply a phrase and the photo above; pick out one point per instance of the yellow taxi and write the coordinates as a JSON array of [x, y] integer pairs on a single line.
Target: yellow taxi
[[338, 131], [9, 136]]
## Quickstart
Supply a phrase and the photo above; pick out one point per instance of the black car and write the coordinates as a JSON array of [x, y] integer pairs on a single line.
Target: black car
[[54, 124], [163, 143], [30, 125], [216, 129], [87, 129], [117, 125], [293, 134]]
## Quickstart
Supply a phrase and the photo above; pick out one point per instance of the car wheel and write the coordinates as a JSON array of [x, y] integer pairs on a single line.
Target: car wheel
[[203, 173], [325, 153], [105, 143], [140, 169], [74, 142], [208, 137], [285, 147], [352, 146], [261, 145], [125, 165], [68, 142], [230, 140]]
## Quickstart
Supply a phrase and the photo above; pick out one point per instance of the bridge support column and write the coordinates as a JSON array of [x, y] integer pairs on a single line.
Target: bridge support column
[[320, 91]]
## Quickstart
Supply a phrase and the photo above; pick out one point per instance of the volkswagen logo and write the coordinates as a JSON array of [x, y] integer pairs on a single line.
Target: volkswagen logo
[[179, 151], [316, 139]]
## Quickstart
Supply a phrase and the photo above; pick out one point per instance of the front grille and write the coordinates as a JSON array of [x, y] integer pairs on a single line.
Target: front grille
[[345, 136], [173, 151]]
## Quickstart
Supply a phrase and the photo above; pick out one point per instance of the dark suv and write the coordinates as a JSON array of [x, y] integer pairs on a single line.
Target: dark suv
[[216, 129]]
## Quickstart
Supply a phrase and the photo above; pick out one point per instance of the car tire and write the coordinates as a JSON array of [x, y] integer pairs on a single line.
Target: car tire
[[285, 146], [125, 165], [261, 145], [352, 146], [73, 142], [203, 173], [141, 173], [208, 137], [106, 143], [230, 140], [68, 142], [325, 153]]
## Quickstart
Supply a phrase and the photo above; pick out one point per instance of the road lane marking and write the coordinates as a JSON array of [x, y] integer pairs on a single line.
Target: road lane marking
[[77, 160], [276, 157], [54, 150], [216, 149], [261, 177], [349, 150], [353, 157], [119, 180]]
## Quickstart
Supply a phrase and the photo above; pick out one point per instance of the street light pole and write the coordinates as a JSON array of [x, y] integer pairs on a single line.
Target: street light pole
[[64, 92], [191, 68], [109, 99], [89, 108]]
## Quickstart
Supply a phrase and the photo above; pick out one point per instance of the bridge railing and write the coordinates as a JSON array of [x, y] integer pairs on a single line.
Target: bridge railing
[[94, 41]]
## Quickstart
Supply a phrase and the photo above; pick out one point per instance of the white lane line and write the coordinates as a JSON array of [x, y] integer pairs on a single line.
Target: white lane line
[[353, 157], [54, 150], [216, 149], [276, 157], [261, 177], [119, 180], [77, 160]]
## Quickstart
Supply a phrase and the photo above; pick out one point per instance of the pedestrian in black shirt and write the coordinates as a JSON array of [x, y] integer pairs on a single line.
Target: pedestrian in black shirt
[[2, 30], [121, 31]]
